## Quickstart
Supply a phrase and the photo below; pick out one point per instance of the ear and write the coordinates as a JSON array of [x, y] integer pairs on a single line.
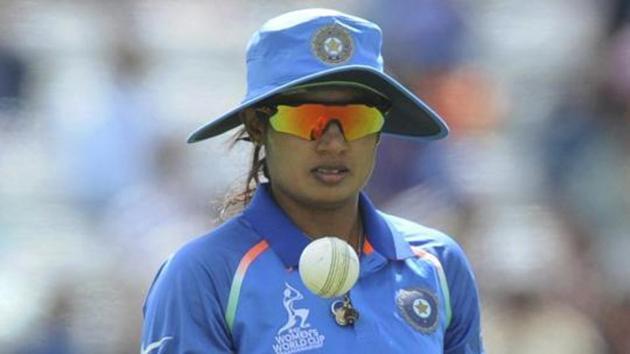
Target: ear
[[256, 127]]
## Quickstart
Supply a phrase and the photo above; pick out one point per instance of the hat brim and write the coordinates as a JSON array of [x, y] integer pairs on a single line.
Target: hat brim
[[409, 116]]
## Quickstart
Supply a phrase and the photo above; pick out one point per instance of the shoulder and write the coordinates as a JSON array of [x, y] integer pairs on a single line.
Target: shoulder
[[232, 237], [190, 293], [423, 240], [419, 235], [214, 256]]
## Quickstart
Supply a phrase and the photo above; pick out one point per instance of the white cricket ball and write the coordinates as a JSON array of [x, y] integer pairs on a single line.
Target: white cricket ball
[[329, 267]]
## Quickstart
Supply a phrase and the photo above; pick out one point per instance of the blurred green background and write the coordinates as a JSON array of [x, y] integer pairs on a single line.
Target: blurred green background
[[97, 185]]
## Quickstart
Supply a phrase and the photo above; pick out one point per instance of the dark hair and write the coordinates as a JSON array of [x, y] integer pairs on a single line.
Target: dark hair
[[235, 201]]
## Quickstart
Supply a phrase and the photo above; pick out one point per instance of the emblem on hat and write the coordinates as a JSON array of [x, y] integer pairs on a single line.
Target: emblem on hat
[[332, 44], [419, 308]]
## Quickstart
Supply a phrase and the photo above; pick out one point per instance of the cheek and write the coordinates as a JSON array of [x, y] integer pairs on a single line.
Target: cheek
[[370, 161], [283, 158], [366, 160], [367, 151]]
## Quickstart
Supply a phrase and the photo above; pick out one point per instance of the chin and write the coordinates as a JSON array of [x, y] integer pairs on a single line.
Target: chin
[[311, 193], [331, 198]]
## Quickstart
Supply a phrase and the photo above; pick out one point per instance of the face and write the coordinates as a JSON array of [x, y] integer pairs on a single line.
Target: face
[[324, 173]]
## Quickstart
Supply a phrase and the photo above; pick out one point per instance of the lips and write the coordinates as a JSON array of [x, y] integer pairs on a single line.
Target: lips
[[330, 174]]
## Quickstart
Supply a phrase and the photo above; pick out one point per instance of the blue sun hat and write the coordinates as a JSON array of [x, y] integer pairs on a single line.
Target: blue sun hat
[[320, 45]]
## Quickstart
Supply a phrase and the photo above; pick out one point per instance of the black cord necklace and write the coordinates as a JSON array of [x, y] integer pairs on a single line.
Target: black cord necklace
[[344, 313]]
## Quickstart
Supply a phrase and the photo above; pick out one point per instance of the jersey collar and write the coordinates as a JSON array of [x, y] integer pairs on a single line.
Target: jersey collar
[[287, 240]]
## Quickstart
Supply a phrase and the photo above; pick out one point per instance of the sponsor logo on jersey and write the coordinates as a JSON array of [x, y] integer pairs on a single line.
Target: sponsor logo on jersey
[[332, 44], [419, 308], [296, 335]]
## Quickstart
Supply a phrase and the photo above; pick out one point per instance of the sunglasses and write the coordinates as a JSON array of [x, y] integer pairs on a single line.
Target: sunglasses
[[309, 121]]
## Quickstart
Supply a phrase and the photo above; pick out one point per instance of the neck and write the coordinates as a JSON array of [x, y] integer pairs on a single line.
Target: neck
[[341, 220]]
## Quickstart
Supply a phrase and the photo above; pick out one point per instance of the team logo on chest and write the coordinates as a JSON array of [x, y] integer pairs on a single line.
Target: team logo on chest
[[296, 335], [419, 308]]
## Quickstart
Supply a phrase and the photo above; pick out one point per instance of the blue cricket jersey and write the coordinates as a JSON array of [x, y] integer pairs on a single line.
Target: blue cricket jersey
[[237, 290]]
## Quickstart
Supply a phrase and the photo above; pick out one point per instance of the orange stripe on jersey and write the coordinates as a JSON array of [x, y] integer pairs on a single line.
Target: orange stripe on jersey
[[239, 276], [367, 247]]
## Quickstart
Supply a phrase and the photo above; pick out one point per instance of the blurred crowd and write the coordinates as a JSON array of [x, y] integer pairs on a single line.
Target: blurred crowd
[[97, 185]]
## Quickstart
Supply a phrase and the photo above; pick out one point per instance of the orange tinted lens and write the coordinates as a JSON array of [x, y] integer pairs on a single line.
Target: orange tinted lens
[[309, 121]]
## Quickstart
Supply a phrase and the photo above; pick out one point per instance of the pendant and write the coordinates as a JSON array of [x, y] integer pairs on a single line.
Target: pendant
[[344, 313]]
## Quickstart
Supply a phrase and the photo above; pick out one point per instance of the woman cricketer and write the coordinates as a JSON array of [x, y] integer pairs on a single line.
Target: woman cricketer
[[317, 101]]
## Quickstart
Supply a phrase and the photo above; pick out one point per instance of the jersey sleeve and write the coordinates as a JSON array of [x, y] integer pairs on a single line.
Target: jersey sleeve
[[183, 311], [463, 336]]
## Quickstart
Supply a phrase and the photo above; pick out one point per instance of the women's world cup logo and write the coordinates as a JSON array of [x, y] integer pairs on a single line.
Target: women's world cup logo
[[332, 44], [297, 334]]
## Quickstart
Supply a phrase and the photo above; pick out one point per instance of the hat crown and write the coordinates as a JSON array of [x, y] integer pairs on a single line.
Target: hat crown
[[305, 42], [320, 45]]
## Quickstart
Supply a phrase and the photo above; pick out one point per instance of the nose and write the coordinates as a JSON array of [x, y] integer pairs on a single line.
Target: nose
[[332, 140]]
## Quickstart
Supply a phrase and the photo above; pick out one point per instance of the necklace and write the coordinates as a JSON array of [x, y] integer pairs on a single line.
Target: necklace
[[360, 236], [357, 230]]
